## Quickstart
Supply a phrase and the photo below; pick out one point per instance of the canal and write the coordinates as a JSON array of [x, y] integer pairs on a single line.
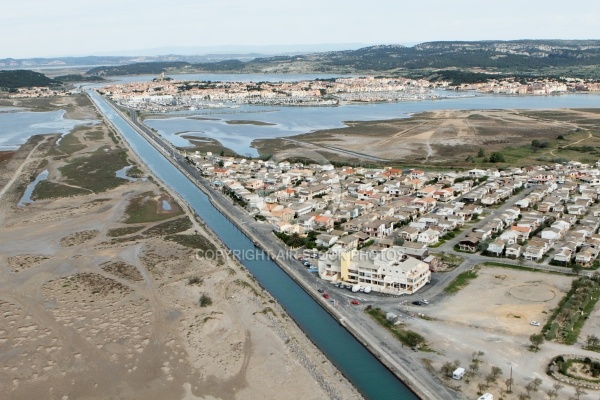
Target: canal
[[365, 372]]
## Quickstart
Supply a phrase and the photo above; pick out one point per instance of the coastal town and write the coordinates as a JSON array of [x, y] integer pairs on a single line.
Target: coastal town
[[163, 94], [345, 212], [384, 244], [229, 200]]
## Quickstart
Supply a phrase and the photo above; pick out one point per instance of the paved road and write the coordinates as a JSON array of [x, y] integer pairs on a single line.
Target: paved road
[[402, 360], [392, 352]]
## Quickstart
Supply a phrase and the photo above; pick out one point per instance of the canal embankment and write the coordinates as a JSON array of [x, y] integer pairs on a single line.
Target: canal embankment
[[263, 239]]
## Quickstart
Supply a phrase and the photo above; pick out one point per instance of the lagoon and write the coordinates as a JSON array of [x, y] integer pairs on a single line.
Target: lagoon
[[17, 127], [289, 121]]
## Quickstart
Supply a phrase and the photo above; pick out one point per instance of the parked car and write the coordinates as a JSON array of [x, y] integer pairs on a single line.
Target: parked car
[[355, 302], [320, 290], [534, 323], [417, 302], [425, 301], [325, 295]]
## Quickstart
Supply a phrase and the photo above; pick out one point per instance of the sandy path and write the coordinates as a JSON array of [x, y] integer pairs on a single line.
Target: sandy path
[[71, 328], [19, 170]]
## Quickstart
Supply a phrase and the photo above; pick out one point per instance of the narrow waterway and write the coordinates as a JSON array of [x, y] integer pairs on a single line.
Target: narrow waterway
[[26, 198], [365, 372]]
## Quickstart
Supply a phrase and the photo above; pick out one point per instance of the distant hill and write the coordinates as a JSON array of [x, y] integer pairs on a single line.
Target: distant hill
[[491, 56], [91, 61], [519, 57], [78, 78], [15, 79], [152, 68]]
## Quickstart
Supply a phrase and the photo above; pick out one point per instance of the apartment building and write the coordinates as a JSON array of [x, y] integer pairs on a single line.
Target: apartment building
[[387, 271]]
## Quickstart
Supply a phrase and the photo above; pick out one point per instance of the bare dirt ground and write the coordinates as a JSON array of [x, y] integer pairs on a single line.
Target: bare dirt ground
[[504, 300], [444, 136], [88, 315], [492, 314]]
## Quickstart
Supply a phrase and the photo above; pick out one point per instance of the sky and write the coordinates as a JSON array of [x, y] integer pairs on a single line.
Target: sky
[[49, 28]]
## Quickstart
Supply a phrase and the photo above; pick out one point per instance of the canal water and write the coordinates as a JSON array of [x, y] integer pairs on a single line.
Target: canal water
[[365, 372]]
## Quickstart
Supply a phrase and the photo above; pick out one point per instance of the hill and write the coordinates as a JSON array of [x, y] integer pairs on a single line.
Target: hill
[[14, 79], [145, 68], [553, 58], [78, 78]]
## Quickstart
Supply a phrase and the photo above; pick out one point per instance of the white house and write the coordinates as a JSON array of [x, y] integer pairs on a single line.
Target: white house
[[429, 237]]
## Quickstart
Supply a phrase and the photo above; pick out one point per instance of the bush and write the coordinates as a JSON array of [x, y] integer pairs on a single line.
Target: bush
[[194, 280], [497, 157], [205, 300]]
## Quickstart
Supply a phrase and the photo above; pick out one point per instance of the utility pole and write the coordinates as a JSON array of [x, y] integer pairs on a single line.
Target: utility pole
[[511, 381]]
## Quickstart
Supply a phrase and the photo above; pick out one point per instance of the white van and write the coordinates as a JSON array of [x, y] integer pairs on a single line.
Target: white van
[[458, 373], [486, 396]]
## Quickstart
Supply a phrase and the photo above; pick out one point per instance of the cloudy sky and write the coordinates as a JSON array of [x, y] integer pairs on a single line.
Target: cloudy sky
[[43, 28]]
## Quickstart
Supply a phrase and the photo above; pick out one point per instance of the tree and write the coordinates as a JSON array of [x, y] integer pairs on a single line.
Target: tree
[[576, 268], [592, 340], [482, 387], [473, 368], [481, 152], [557, 386], [536, 384], [413, 339], [493, 376], [496, 372], [477, 356], [536, 341], [497, 157], [508, 384], [447, 368], [399, 241], [530, 387], [579, 392]]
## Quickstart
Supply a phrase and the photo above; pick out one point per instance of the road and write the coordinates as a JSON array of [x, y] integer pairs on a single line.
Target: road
[[17, 173], [404, 362]]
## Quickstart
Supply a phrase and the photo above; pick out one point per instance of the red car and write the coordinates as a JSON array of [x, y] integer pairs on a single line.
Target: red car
[[355, 302], [325, 295]]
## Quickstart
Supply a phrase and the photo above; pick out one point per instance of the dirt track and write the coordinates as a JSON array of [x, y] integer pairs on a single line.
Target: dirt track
[[89, 315]]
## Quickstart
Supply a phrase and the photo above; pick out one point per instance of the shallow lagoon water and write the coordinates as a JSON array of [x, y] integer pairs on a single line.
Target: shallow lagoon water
[[17, 127], [289, 121], [371, 378], [26, 198]]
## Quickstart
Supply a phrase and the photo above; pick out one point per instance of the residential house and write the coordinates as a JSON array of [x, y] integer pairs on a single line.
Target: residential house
[[586, 257], [470, 244], [533, 253], [513, 250], [409, 233], [565, 254], [497, 247], [326, 240], [429, 237]]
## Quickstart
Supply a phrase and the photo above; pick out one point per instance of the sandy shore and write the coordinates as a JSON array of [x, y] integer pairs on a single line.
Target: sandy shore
[[87, 314]]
